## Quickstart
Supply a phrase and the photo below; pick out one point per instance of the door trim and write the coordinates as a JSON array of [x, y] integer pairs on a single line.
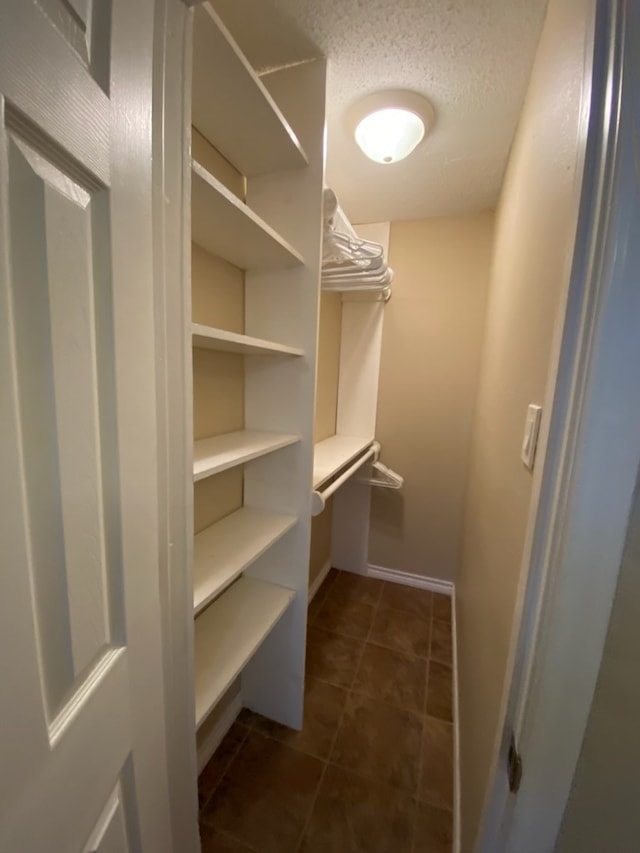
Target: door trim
[[171, 185]]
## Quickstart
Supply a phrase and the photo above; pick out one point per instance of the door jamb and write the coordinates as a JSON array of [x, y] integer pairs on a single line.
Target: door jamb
[[171, 216]]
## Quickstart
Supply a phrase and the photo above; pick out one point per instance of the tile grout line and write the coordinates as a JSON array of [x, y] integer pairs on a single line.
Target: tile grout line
[[305, 826], [419, 799], [225, 834], [423, 735], [355, 675], [350, 693], [227, 766], [335, 734], [400, 651]]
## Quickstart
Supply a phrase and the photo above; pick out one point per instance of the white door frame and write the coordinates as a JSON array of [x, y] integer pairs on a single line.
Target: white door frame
[[172, 258], [578, 530]]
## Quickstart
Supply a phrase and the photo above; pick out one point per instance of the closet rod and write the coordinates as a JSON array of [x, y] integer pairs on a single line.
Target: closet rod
[[318, 499]]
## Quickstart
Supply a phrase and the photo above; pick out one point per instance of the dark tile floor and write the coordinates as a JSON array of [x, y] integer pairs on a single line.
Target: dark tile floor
[[372, 769]]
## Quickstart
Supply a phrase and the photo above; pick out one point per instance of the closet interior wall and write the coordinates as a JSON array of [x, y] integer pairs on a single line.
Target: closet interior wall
[[431, 354], [534, 240]]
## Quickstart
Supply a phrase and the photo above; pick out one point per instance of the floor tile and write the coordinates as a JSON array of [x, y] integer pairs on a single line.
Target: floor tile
[[326, 584], [401, 630], [441, 642], [218, 842], [356, 815], [434, 830], [364, 589], [323, 706], [407, 598], [266, 795], [346, 616], [379, 742], [440, 691], [220, 761], [392, 677], [441, 606], [436, 783], [332, 657]]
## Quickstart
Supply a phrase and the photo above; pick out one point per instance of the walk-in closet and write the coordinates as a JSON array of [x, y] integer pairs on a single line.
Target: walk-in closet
[[305, 309], [346, 373]]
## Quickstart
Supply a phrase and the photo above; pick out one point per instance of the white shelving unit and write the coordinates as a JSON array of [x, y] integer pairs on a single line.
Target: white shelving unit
[[359, 369], [250, 567], [206, 337], [335, 453], [223, 551], [227, 227], [213, 455], [242, 95], [229, 632]]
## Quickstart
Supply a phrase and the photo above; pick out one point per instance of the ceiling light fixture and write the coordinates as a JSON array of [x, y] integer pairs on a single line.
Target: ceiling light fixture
[[388, 126]]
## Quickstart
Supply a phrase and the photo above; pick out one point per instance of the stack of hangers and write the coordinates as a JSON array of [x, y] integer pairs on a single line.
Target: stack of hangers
[[348, 262]]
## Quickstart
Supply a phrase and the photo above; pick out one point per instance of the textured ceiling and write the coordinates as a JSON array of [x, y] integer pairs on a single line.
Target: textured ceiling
[[471, 58]]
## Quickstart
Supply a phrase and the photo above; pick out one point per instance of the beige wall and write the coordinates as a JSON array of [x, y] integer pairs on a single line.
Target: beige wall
[[217, 291], [431, 345], [328, 370], [320, 541], [217, 299], [534, 239], [214, 162], [602, 812]]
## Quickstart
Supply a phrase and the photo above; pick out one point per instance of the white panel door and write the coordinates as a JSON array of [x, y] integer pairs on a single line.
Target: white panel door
[[82, 732]]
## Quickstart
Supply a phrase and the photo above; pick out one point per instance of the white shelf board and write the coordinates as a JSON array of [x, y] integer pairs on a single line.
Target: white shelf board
[[224, 225], [224, 550], [207, 337], [231, 106], [229, 632], [213, 455], [332, 454]]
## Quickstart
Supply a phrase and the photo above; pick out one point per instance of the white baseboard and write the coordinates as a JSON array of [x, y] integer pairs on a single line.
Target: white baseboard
[[318, 581], [456, 730], [212, 741], [409, 579]]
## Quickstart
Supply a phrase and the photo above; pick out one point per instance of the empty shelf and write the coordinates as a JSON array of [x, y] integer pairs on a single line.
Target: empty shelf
[[207, 337], [226, 226], [224, 550], [332, 454], [232, 107], [229, 632], [212, 455]]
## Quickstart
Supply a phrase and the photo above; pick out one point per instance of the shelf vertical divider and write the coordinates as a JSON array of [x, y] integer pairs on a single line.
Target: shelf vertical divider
[[284, 305]]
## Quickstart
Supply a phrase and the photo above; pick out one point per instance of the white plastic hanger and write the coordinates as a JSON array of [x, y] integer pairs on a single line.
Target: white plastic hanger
[[383, 477]]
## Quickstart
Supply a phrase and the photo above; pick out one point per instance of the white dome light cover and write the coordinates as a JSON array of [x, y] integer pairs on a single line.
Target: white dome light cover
[[389, 125], [390, 134]]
